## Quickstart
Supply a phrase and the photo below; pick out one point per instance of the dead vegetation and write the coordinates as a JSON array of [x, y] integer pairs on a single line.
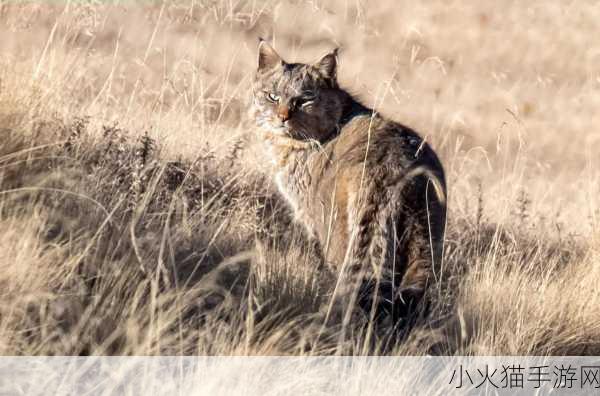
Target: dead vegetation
[[135, 219]]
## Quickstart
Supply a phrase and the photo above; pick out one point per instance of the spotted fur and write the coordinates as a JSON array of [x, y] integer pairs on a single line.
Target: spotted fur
[[371, 191]]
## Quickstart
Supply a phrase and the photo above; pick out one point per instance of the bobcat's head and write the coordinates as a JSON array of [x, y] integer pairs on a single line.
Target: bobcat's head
[[297, 100]]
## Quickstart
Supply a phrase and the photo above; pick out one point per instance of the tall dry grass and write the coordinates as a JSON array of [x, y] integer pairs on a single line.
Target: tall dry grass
[[136, 220]]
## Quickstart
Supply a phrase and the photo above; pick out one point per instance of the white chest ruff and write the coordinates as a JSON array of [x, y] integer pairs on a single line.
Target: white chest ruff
[[290, 197], [293, 200]]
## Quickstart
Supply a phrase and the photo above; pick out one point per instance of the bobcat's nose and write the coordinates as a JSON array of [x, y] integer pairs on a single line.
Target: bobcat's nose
[[283, 112]]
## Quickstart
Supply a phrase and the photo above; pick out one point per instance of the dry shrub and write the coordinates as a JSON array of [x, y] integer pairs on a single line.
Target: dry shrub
[[135, 218]]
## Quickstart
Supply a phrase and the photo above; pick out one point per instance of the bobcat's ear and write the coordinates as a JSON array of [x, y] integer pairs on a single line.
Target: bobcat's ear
[[327, 66], [268, 58]]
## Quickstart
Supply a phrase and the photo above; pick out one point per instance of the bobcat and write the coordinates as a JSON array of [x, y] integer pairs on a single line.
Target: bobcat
[[370, 191]]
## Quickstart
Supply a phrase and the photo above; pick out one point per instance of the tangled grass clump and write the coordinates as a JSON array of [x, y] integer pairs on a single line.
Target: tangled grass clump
[[137, 254]]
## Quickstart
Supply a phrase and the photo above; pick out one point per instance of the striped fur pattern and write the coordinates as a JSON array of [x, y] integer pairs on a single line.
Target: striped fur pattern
[[370, 191]]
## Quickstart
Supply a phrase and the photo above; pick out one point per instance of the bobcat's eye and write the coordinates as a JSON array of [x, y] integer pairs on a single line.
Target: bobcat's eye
[[306, 100], [308, 96], [272, 97]]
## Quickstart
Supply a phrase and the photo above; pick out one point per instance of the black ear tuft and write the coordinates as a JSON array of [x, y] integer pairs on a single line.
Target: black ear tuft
[[327, 66], [267, 56]]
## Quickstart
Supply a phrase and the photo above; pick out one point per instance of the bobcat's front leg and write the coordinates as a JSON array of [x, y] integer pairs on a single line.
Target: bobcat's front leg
[[342, 307]]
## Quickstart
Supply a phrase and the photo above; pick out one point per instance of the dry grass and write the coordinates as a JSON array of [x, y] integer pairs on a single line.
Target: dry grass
[[135, 220]]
